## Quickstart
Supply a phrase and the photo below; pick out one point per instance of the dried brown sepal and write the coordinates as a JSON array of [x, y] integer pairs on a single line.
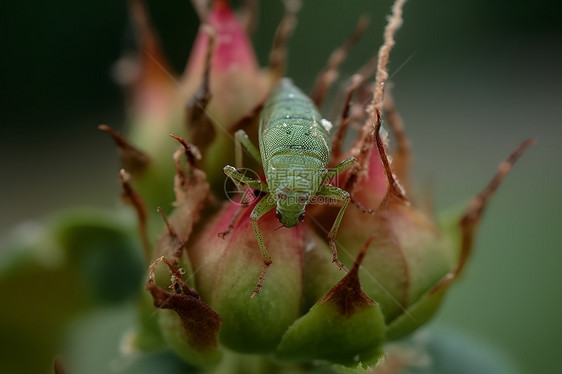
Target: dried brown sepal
[[150, 74], [249, 16], [131, 197], [362, 150], [278, 54], [277, 61], [394, 23], [180, 178], [471, 218], [347, 295], [200, 126], [364, 92], [395, 190], [374, 109], [183, 182], [169, 227], [175, 243], [344, 121], [201, 7], [58, 367], [362, 147], [131, 158], [330, 73], [192, 192], [402, 157], [192, 153], [200, 322]]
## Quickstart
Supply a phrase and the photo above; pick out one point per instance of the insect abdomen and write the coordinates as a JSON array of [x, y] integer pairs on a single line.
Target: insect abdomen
[[291, 124]]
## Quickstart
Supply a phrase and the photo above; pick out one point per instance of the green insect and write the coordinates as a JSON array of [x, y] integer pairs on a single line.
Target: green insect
[[295, 146]]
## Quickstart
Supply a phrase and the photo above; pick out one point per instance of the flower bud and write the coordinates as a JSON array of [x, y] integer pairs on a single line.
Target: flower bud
[[344, 327], [236, 85], [228, 270], [224, 74], [408, 254]]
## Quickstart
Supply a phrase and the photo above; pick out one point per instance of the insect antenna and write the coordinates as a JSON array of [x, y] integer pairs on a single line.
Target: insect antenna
[[330, 73], [344, 121], [278, 54]]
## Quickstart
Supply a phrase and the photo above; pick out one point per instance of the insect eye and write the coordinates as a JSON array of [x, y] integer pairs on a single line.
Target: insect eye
[[303, 198], [281, 195], [301, 217], [278, 215]]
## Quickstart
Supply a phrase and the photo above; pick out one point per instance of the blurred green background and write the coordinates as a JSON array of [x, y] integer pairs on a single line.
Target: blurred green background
[[472, 80]]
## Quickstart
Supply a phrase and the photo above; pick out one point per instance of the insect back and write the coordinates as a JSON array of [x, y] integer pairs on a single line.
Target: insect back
[[295, 148]]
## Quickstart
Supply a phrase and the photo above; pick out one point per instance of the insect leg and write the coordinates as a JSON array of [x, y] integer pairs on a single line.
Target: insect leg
[[327, 190], [235, 216], [339, 168], [237, 177], [262, 207], [243, 140]]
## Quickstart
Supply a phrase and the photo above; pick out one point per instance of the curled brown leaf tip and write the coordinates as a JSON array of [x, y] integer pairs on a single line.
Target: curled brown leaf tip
[[175, 246], [330, 72], [402, 157], [471, 218], [395, 190], [170, 229], [192, 153], [132, 159], [195, 177], [347, 295], [200, 322], [131, 197]]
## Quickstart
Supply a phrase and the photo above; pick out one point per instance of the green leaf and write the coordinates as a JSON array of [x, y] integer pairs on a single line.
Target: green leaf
[[101, 247]]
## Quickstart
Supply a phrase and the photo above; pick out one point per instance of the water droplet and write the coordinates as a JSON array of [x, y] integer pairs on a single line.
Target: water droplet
[[326, 124]]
